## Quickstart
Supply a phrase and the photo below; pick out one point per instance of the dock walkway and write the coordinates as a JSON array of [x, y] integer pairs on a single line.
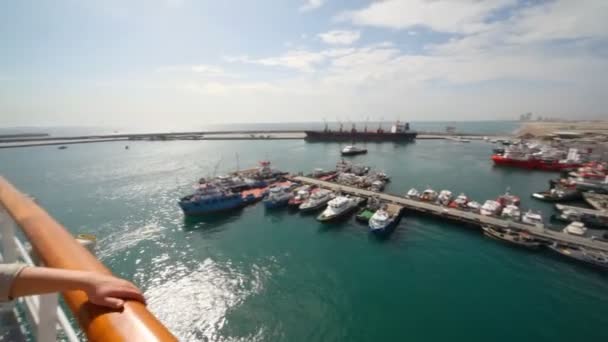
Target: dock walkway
[[539, 231]]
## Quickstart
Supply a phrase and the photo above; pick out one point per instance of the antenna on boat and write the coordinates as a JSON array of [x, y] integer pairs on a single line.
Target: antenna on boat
[[366, 122], [217, 165]]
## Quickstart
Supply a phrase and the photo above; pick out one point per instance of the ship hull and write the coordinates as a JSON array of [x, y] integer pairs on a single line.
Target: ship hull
[[197, 209], [533, 164], [360, 136]]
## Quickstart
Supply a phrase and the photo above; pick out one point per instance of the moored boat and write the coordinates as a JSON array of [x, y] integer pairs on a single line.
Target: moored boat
[[597, 201], [557, 195], [587, 256], [300, 196], [511, 212], [490, 208], [516, 238], [508, 199], [339, 207], [576, 228], [277, 197], [532, 218], [413, 194], [428, 195], [474, 206], [460, 201], [316, 201], [444, 198], [209, 198], [383, 221]]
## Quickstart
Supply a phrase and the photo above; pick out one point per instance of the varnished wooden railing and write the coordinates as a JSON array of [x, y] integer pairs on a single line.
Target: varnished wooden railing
[[56, 247]]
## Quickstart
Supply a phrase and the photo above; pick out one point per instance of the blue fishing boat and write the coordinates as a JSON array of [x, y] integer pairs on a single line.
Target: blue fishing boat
[[209, 198], [277, 197], [384, 220]]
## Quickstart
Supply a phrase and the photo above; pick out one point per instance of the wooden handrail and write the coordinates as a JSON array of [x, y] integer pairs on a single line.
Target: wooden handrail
[[56, 247]]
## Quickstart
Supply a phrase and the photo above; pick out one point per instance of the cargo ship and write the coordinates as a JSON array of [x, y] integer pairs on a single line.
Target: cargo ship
[[399, 132]]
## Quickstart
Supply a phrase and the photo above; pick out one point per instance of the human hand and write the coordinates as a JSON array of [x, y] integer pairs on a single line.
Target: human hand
[[110, 291]]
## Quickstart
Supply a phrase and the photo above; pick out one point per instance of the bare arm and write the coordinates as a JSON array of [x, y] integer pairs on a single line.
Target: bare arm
[[101, 289]]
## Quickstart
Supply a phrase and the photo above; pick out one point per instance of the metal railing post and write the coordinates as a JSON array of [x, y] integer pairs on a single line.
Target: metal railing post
[[46, 330], [7, 226]]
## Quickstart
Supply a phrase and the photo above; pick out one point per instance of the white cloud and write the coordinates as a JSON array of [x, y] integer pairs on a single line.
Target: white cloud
[[300, 60], [311, 5], [340, 37], [458, 16], [203, 69]]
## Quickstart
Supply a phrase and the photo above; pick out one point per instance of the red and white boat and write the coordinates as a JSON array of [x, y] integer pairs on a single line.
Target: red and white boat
[[546, 159], [508, 199]]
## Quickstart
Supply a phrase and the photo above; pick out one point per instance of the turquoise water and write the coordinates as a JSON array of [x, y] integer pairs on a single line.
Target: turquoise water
[[276, 276]]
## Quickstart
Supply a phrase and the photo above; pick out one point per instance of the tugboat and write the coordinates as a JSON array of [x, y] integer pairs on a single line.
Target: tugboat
[[490, 208], [590, 257], [351, 150], [557, 195], [316, 201], [210, 198], [510, 236], [511, 212], [302, 195], [444, 198], [429, 195], [383, 222], [532, 218], [277, 197], [339, 207]]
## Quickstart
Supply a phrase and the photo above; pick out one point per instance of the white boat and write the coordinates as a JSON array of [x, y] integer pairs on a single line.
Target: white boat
[[429, 195], [444, 198], [460, 201], [576, 228], [277, 197], [473, 205], [377, 186], [532, 218], [381, 221], [352, 150], [511, 212], [413, 194], [338, 207], [490, 208], [317, 200]]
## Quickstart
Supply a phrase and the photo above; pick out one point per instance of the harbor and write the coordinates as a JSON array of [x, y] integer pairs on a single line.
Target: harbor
[[250, 254]]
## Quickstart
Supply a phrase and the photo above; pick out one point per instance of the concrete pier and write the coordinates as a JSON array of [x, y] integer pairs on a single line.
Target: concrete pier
[[538, 231]]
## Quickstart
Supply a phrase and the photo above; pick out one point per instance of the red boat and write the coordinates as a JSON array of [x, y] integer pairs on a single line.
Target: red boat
[[535, 164]]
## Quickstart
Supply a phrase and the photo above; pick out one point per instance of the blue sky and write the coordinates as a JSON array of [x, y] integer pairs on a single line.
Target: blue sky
[[187, 62]]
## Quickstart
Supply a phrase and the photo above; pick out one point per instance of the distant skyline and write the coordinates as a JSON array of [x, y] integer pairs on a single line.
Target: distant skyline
[[177, 63]]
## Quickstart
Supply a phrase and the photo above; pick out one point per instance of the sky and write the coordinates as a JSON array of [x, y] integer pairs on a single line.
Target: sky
[[187, 62]]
